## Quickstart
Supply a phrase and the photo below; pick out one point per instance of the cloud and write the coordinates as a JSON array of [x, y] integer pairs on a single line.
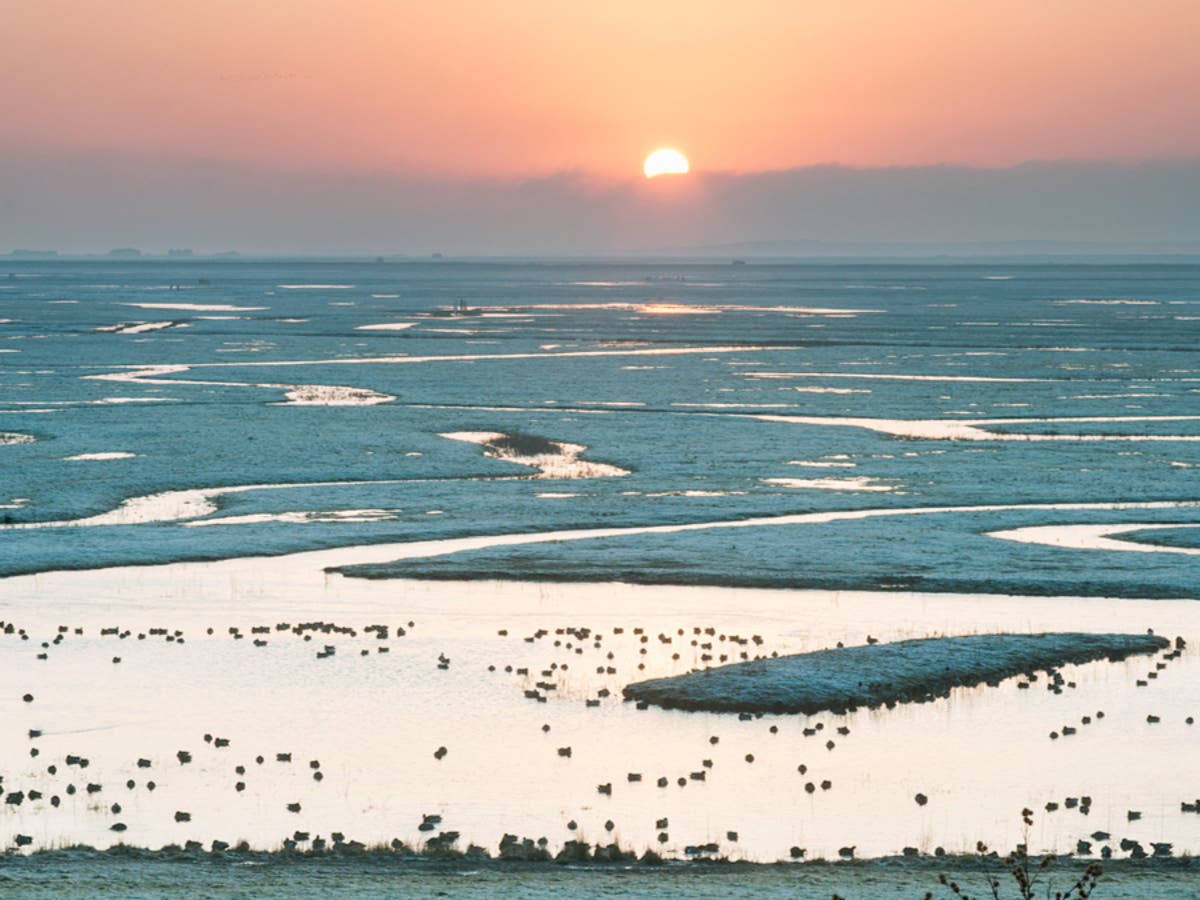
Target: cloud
[[89, 203]]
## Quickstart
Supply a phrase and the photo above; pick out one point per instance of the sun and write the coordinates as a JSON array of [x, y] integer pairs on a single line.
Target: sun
[[665, 162]]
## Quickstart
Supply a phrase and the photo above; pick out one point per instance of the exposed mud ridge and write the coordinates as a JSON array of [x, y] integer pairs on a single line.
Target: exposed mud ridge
[[876, 674], [518, 443]]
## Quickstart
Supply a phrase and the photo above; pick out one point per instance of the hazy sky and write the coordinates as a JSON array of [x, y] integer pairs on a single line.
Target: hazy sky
[[94, 203], [467, 100]]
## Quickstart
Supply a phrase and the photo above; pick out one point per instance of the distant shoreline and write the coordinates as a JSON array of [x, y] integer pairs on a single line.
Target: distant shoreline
[[895, 257]]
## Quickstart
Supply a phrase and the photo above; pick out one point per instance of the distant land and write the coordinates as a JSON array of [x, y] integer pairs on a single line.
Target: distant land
[[809, 249], [761, 252]]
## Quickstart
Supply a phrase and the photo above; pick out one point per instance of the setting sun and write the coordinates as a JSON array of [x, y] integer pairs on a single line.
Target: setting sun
[[665, 162]]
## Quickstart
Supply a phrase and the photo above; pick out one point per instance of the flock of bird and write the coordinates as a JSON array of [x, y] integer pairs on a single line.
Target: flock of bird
[[66, 777]]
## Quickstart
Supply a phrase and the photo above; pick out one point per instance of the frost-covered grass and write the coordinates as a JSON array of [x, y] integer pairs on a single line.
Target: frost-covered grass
[[77, 872], [877, 674]]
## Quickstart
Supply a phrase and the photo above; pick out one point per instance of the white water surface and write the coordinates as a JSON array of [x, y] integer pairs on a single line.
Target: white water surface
[[373, 721]]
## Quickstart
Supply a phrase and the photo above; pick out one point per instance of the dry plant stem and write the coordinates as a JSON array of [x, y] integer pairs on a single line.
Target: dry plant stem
[[1026, 871]]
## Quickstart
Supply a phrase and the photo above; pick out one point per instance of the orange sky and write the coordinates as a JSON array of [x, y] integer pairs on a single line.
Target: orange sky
[[489, 88]]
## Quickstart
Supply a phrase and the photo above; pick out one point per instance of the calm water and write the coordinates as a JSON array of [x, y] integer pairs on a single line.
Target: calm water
[[877, 425]]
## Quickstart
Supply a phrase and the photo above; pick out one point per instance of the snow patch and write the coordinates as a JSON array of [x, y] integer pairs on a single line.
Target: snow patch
[[1093, 537], [330, 395], [316, 287], [295, 394], [882, 376], [301, 517], [693, 309], [135, 327], [974, 430], [552, 459], [861, 483], [198, 307], [691, 492]]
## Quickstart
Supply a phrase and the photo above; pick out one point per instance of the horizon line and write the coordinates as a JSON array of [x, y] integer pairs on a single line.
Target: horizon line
[[417, 173]]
